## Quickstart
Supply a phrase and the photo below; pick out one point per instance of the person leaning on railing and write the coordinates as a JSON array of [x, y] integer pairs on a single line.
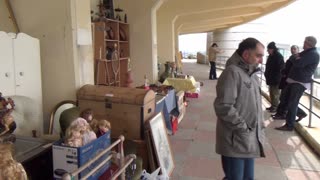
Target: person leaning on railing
[[300, 78]]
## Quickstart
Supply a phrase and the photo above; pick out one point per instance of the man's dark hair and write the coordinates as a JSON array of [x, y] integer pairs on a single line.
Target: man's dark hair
[[249, 43]]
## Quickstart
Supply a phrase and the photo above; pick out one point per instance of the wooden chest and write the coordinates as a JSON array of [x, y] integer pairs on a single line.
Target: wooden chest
[[127, 109]]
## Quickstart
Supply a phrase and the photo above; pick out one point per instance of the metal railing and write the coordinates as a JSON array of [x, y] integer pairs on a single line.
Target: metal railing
[[310, 94]]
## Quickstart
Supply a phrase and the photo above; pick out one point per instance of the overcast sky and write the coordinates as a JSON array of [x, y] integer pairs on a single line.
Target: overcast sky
[[292, 23]]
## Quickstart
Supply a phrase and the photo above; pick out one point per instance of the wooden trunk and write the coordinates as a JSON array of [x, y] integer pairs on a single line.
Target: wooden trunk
[[127, 109]]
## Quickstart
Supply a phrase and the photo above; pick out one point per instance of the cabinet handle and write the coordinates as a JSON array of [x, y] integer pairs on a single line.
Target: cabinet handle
[[21, 73], [6, 74]]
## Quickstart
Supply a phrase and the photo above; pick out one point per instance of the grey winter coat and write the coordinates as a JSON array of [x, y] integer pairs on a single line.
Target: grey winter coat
[[238, 106]]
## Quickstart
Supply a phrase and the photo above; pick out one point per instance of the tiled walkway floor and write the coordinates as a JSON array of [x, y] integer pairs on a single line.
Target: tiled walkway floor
[[193, 145]]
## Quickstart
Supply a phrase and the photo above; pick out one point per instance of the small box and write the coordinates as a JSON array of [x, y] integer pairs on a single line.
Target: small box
[[67, 159]]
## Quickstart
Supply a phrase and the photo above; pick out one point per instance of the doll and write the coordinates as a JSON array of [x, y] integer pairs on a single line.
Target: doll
[[86, 133], [9, 168], [73, 137], [87, 114], [103, 127]]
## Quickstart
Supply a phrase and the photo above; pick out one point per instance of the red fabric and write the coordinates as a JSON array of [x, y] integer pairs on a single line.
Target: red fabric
[[174, 124], [109, 172], [192, 95]]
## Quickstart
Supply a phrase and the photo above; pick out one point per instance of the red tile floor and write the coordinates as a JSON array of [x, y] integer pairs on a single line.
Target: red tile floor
[[193, 145]]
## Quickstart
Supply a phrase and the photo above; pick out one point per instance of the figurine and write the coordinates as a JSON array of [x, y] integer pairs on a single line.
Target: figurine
[[10, 103], [7, 124], [118, 10], [103, 127], [102, 11], [10, 168]]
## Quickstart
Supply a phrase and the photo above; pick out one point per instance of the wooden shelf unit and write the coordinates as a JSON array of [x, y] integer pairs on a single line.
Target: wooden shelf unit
[[107, 34]]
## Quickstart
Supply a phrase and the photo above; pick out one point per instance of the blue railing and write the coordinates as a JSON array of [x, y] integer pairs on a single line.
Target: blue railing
[[310, 94]]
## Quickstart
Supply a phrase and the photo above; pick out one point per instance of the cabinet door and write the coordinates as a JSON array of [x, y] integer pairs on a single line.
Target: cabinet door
[[7, 82], [27, 67]]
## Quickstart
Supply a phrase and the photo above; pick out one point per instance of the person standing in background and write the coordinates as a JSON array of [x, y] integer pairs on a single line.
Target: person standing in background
[[282, 107], [240, 126], [272, 74], [213, 51], [300, 78]]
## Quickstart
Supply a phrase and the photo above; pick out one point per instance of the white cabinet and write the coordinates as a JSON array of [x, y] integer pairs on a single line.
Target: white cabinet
[[7, 76], [20, 70]]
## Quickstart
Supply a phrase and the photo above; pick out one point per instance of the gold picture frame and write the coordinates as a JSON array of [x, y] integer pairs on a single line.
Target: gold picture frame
[[161, 144]]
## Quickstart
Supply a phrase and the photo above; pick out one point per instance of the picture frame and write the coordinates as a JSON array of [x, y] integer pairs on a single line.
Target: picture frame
[[161, 144]]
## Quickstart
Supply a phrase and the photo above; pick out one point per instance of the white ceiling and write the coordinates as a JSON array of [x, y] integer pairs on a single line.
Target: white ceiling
[[194, 16]]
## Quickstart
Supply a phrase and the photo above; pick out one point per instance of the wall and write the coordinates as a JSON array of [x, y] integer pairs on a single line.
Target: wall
[[65, 65], [142, 40], [5, 23]]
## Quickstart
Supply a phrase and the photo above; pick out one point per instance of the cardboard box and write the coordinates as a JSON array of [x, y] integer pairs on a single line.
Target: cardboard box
[[181, 106], [68, 159], [127, 109]]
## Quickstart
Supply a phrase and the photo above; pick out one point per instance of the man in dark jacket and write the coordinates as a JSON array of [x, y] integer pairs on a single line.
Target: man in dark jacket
[[272, 73], [300, 78], [238, 106], [282, 107]]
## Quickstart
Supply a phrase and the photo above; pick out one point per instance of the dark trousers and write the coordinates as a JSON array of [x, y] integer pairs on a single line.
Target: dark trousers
[[282, 108], [274, 93], [238, 168], [213, 73], [295, 91]]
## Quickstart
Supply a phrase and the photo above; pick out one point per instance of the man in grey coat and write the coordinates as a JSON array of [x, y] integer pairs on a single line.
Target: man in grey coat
[[240, 128]]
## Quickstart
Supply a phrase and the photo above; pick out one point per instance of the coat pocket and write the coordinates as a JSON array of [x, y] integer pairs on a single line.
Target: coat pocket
[[244, 142]]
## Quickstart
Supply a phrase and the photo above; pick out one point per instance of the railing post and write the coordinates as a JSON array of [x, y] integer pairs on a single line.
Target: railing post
[[311, 104]]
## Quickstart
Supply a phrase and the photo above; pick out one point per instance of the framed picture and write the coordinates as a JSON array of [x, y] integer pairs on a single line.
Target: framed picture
[[161, 144]]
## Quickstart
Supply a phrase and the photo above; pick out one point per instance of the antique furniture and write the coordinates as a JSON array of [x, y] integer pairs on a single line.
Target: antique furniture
[[54, 127], [127, 109], [20, 76], [111, 37]]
